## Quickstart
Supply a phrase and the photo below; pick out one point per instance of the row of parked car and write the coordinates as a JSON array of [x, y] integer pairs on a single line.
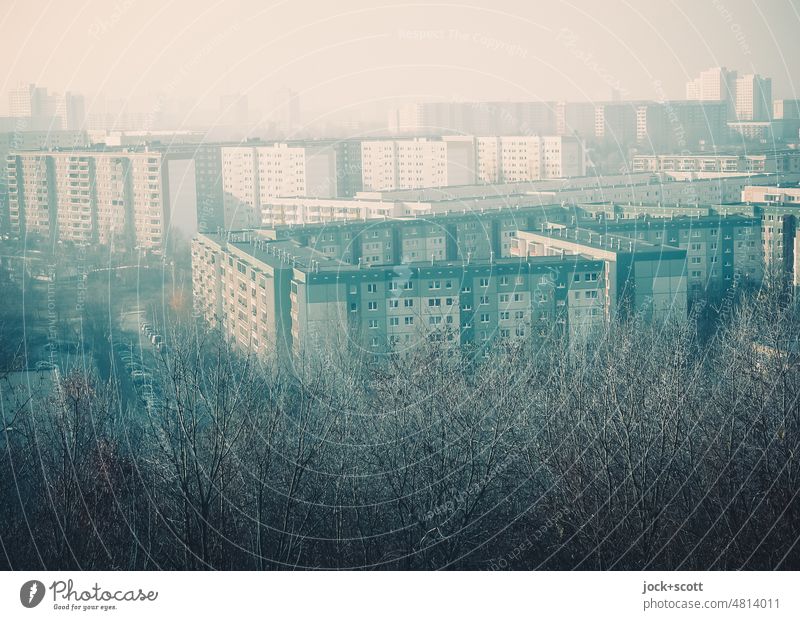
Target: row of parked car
[[153, 336], [140, 376]]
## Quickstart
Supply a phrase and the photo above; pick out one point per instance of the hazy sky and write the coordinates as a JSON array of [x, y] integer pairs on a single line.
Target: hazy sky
[[352, 52]]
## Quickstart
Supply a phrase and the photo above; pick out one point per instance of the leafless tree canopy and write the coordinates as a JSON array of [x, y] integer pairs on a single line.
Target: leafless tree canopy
[[644, 447]]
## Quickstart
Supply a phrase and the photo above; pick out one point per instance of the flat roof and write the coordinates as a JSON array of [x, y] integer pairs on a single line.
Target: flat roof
[[592, 239]]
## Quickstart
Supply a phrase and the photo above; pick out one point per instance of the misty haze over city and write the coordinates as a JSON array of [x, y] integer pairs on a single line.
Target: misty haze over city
[[351, 61]]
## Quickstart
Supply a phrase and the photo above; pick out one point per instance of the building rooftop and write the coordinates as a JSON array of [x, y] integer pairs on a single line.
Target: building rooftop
[[575, 238], [283, 254]]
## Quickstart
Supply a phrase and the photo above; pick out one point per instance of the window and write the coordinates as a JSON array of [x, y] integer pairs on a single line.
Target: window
[[392, 286], [394, 303], [373, 323], [409, 320], [434, 320], [505, 315], [408, 285], [372, 305], [372, 288], [517, 296], [503, 280], [408, 303], [394, 321], [590, 294], [484, 282], [576, 277], [504, 298], [696, 260], [435, 284], [466, 289], [590, 277], [434, 302], [484, 317], [484, 301]]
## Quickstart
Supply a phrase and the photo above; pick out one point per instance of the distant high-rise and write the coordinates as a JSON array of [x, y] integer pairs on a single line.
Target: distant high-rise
[[715, 84], [753, 98], [47, 110], [681, 124], [19, 100], [785, 108], [71, 109], [482, 118]]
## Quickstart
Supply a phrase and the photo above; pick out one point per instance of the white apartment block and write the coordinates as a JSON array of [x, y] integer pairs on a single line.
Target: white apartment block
[[709, 165], [715, 84], [89, 197], [73, 198], [514, 159], [111, 187], [753, 98], [253, 175], [389, 165], [30, 195], [766, 194], [240, 187], [404, 164]]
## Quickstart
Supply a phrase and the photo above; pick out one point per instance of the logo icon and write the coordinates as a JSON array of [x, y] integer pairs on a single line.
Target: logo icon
[[31, 593]]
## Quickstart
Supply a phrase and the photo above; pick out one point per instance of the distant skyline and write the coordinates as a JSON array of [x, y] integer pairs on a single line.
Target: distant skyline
[[359, 55]]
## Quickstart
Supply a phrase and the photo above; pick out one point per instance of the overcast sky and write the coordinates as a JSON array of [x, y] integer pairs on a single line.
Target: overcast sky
[[355, 52]]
